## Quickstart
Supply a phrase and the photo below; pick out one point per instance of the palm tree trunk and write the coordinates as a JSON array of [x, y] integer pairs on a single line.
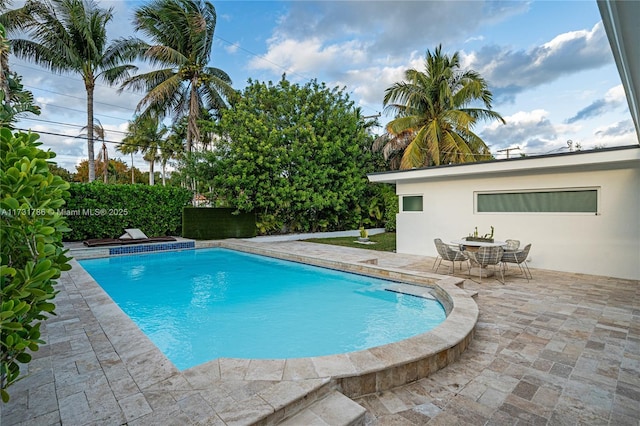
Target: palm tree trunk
[[105, 158], [4, 68], [194, 112], [133, 177], [151, 173], [89, 85], [164, 173]]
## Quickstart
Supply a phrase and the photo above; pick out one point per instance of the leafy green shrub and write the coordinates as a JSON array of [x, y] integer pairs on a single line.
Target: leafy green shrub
[[31, 248], [391, 207], [96, 210], [297, 155], [208, 223]]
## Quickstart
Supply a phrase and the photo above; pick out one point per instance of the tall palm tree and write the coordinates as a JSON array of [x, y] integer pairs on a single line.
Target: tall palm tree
[[69, 36], [182, 36], [435, 116], [145, 135]]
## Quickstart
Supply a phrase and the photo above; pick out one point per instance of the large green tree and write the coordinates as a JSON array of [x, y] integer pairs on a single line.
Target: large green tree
[[69, 36], [435, 113], [296, 155], [181, 34]]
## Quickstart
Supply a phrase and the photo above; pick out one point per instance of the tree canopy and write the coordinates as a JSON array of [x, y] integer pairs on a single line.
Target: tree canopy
[[69, 36], [435, 114], [296, 155], [181, 34]]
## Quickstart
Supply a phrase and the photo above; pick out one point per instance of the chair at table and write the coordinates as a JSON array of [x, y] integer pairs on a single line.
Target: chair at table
[[519, 258], [445, 252], [486, 256], [512, 245]]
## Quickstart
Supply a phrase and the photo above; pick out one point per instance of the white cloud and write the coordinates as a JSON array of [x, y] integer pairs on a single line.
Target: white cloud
[[511, 72], [530, 130], [308, 56], [614, 98], [232, 48]]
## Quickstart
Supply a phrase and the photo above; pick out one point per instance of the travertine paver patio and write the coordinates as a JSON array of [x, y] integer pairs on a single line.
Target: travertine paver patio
[[562, 349]]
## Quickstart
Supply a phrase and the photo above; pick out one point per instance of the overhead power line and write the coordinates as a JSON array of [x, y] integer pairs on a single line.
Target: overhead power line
[[83, 137]]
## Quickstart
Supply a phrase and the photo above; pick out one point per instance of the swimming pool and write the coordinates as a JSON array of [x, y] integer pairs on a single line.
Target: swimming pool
[[198, 305]]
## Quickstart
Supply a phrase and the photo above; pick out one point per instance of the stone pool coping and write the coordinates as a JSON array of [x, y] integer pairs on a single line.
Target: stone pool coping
[[354, 374]]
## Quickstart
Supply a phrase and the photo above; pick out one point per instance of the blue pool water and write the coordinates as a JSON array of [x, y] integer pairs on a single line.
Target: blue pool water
[[199, 305]]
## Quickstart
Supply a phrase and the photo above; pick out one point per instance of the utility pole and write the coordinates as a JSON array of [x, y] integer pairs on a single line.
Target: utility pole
[[508, 150]]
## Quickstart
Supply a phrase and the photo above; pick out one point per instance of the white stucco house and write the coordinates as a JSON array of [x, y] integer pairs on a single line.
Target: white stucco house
[[579, 210]]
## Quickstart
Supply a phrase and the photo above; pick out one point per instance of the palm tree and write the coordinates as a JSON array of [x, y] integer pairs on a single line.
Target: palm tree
[[145, 135], [103, 155], [434, 116], [182, 34], [70, 36], [170, 148], [129, 149]]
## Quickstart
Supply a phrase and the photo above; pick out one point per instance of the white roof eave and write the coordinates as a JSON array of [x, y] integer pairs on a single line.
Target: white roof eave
[[628, 157]]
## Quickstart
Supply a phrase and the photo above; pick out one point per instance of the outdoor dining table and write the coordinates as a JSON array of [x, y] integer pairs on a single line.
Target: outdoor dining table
[[477, 270]]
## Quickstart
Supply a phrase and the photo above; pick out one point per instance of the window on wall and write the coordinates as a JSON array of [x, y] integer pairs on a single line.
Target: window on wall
[[540, 201], [412, 203]]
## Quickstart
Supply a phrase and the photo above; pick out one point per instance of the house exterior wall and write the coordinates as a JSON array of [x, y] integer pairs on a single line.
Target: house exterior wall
[[604, 244]]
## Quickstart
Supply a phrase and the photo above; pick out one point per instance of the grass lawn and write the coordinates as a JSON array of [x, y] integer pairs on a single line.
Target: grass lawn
[[383, 242]]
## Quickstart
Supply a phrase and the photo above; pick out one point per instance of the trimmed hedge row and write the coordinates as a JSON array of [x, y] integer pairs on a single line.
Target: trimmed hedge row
[[206, 223], [96, 210]]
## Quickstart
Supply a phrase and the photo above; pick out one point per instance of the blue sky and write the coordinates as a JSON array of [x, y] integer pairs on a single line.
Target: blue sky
[[548, 64]]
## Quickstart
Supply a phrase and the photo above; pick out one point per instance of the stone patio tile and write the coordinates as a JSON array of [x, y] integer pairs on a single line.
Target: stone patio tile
[[280, 394], [492, 398], [299, 368], [245, 412], [571, 409], [561, 370], [525, 390], [198, 411], [134, 406], [232, 368], [327, 366], [74, 409], [391, 402], [468, 410], [265, 369], [166, 416], [626, 406], [203, 376], [241, 390], [149, 368]]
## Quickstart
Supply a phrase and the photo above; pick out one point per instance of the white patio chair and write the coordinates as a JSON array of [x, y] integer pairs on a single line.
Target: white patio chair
[[486, 256], [512, 245], [446, 252], [519, 258]]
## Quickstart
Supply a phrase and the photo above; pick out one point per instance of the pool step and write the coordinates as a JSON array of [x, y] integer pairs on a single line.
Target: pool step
[[335, 409]]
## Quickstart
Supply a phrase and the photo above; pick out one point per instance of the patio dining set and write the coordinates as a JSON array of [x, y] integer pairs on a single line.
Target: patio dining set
[[479, 255]]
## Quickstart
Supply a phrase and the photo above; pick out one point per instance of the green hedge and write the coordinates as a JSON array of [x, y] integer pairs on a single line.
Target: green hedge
[[206, 223], [96, 210]]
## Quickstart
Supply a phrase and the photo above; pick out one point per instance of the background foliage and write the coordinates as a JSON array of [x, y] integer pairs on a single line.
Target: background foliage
[[97, 210], [296, 155], [31, 248]]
